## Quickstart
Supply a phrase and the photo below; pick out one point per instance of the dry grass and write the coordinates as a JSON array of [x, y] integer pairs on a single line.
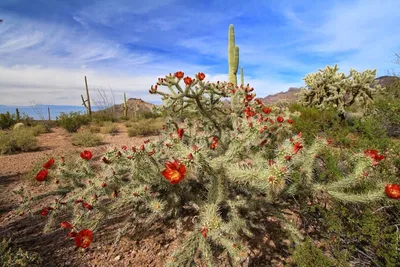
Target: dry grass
[[145, 127]]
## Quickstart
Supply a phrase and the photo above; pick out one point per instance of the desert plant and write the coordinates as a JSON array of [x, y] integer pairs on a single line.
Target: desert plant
[[21, 139], [86, 139], [7, 120], [109, 128], [11, 256], [86, 103], [329, 89], [225, 171], [145, 127], [73, 121]]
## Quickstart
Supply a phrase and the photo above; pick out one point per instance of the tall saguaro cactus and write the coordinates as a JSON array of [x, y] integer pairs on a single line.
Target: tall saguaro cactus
[[233, 56], [86, 102], [125, 107], [241, 76], [18, 115]]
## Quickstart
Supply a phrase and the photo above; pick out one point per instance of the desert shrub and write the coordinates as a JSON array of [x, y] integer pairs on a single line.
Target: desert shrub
[[145, 127], [128, 124], [7, 120], [86, 139], [386, 109], [109, 128], [313, 121], [307, 254], [73, 121], [22, 139], [38, 129], [11, 256], [102, 116]]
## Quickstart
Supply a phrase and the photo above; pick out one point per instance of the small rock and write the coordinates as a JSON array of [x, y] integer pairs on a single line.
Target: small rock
[[117, 258]]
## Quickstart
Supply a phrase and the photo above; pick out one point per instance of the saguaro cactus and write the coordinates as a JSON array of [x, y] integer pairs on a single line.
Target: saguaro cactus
[[241, 76], [48, 113], [86, 102], [125, 107], [17, 113], [233, 56]]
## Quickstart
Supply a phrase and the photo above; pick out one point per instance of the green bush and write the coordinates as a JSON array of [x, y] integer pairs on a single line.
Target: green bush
[[109, 128], [13, 257], [22, 139], [387, 109], [86, 139], [7, 120], [72, 121], [145, 127], [101, 116], [38, 129], [307, 255]]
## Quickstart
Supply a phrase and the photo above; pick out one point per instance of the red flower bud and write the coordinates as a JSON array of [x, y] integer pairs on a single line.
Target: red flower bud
[[201, 76], [179, 74], [66, 225], [188, 80]]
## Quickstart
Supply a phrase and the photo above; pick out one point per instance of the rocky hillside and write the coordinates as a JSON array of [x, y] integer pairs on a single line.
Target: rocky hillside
[[133, 104]]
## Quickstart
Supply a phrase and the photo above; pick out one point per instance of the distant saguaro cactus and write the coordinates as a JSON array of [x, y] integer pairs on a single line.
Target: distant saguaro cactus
[[86, 103], [233, 56], [329, 89], [18, 115], [125, 107]]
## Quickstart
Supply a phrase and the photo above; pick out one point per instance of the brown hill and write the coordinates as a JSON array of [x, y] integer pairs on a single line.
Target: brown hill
[[134, 104]]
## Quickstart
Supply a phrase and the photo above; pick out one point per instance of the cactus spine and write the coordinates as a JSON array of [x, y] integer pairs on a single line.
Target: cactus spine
[[125, 107], [18, 116], [233, 56], [241, 76], [86, 102]]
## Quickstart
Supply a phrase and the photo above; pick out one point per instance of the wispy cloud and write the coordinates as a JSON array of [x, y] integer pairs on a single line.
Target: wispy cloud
[[45, 50]]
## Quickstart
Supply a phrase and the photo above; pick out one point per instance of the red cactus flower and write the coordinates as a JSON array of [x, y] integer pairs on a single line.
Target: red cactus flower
[[174, 171], [213, 145], [328, 141], [393, 191], [271, 162], [180, 133], [287, 157], [134, 148], [78, 201], [142, 147], [124, 147], [49, 163], [151, 153], [44, 212], [86, 155], [41, 175], [373, 154], [296, 148], [62, 159], [290, 121], [179, 74], [258, 101], [201, 76], [87, 206], [188, 80], [190, 156], [280, 119], [266, 110], [249, 113], [250, 97], [105, 160], [84, 238], [66, 225], [103, 185], [204, 231], [146, 141]]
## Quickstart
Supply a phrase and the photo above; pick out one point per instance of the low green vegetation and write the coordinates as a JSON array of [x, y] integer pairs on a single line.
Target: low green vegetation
[[72, 121], [86, 139], [18, 140], [144, 127]]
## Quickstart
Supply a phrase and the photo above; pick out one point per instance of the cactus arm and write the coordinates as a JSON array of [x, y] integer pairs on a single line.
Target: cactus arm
[[241, 77]]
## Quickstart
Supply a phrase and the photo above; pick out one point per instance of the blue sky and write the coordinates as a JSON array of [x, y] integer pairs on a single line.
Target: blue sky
[[47, 46]]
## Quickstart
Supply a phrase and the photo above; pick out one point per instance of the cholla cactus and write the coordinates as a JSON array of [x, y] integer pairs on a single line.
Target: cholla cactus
[[226, 172], [330, 89]]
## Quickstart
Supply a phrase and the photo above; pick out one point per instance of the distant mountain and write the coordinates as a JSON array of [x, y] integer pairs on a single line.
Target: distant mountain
[[134, 104], [386, 80]]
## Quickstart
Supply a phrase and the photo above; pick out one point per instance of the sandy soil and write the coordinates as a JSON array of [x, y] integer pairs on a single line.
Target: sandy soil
[[147, 247]]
